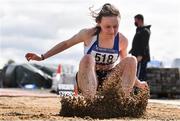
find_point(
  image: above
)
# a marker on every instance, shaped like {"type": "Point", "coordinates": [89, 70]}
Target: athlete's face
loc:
{"type": "Point", "coordinates": [109, 25]}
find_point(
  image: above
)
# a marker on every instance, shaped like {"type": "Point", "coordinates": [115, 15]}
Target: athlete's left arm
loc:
{"type": "Point", "coordinates": [123, 44]}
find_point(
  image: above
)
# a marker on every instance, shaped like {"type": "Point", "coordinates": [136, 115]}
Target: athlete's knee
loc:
{"type": "Point", "coordinates": [88, 60]}
{"type": "Point", "coordinates": [131, 60]}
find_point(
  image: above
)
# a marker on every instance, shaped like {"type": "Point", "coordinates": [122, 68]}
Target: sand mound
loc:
{"type": "Point", "coordinates": [109, 102]}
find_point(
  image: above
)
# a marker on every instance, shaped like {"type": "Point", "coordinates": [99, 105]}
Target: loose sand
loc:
{"type": "Point", "coordinates": [47, 108]}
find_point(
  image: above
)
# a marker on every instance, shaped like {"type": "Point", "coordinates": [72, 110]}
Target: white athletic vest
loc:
{"type": "Point", "coordinates": [103, 56]}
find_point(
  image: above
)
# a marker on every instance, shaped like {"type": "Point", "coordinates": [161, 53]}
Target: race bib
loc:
{"type": "Point", "coordinates": [104, 58]}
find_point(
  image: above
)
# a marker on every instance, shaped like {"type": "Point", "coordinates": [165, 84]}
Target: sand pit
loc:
{"type": "Point", "coordinates": [41, 105]}
{"type": "Point", "coordinates": [47, 108]}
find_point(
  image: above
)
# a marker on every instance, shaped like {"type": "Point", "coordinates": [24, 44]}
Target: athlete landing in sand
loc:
{"type": "Point", "coordinates": [105, 49]}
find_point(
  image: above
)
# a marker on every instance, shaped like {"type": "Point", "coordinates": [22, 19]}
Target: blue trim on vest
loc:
{"type": "Point", "coordinates": [90, 49]}
{"type": "Point", "coordinates": [115, 46]}
{"type": "Point", "coordinates": [116, 42]}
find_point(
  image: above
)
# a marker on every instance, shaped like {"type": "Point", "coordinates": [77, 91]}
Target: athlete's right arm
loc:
{"type": "Point", "coordinates": [77, 38]}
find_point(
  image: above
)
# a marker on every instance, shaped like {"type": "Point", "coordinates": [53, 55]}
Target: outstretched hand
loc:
{"type": "Point", "coordinates": [33, 56]}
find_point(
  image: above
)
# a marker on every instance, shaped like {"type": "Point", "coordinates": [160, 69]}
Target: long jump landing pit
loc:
{"type": "Point", "coordinates": [42, 105]}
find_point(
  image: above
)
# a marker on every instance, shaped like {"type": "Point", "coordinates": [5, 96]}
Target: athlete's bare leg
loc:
{"type": "Point", "coordinates": [87, 81]}
{"type": "Point", "coordinates": [127, 68]}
